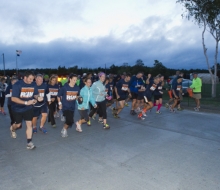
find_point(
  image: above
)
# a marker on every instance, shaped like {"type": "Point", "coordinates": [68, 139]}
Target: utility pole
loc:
{"type": "Point", "coordinates": [3, 63]}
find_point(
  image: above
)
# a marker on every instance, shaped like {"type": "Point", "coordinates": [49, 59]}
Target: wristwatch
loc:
{"type": "Point", "coordinates": [25, 102]}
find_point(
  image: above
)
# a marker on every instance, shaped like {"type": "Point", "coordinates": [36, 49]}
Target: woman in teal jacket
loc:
{"type": "Point", "coordinates": [86, 94]}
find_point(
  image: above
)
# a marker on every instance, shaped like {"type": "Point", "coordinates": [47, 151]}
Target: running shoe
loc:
{"type": "Point", "coordinates": [89, 123]}
{"type": "Point", "coordinates": [126, 104]}
{"type": "Point", "coordinates": [114, 110]}
{"type": "Point", "coordinates": [196, 109]}
{"type": "Point", "coordinates": [43, 130]}
{"type": "Point", "coordinates": [62, 118]}
{"type": "Point", "coordinates": [78, 127]}
{"type": "Point", "coordinates": [34, 130]}
{"type": "Point", "coordinates": [54, 126]}
{"type": "Point", "coordinates": [138, 110]}
{"type": "Point", "coordinates": [140, 117]}
{"type": "Point", "coordinates": [116, 116]}
{"type": "Point", "coordinates": [172, 111]}
{"type": "Point", "coordinates": [94, 117]}
{"type": "Point", "coordinates": [158, 112]}
{"type": "Point", "coordinates": [167, 105]}
{"type": "Point", "coordinates": [144, 114]}
{"type": "Point", "coordinates": [106, 126]}
{"type": "Point", "coordinates": [64, 133]}
{"type": "Point", "coordinates": [30, 146]}
{"type": "Point", "coordinates": [13, 133]}
{"type": "Point", "coordinates": [179, 109]}
{"type": "Point", "coordinates": [100, 121]}
{"type": "Point", "coordinates": [132, 112]}
{"type": "Point", "coordinates": [170, 107]}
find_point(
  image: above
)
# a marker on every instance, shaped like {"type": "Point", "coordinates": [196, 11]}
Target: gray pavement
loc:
{"type": "Point", "coordinates": [164, 152]}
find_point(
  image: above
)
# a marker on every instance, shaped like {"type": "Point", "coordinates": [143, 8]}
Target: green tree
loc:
{"type": "Point", "coordinates": [206, 13]}
{"type": "Point", "coordinates": [140, 63]}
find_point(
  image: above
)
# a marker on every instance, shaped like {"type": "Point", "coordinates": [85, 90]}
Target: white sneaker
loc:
{"type": "Point", "coordinates": [30, 146]}
{"type": "Point", "coordinates": [138, 110]}
{"type": "Point", "coordinates": [64, 133]}
{"type": "Point", "coordinates": [78, 127]}
{"type": "Point", "coordinates": [62, 118]}
{"type": "Point", "coordinates": [13, 133]}
{"type": "Point", "coordinates": [144, 114]}
{"type": "Point", "coordinates": [196, 109]}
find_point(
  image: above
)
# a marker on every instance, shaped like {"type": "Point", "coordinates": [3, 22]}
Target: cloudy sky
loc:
{"type": "Point", "coordinates": [92, 33]}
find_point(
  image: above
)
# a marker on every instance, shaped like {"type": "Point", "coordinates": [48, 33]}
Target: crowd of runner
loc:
{"type": "Point", "coordinates": [45, 98]}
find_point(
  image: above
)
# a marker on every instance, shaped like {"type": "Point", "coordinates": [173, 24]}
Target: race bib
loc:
{"type": "Point", "coordinates": [71, 95]}
{"type": "Point", "coordinates": [111, 87]}
{"type": "Point", "coordinates": [124, 87]}
{"type": "Point", "coordinates": [27, 92]}
{"type": "Point", "coordinates": [41, 92]}
{"type": "Point", "coordinates": [53, 91]}
{"type": "Point", "coordinates": [159, 87]}
{"type": "Point", "coordinates": [153, 87]}
{"type": "Point", "coordinates": [179, 87]}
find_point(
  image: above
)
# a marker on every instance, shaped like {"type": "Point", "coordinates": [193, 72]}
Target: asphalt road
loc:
{"type": "Point", "coordinates": [164, 152]}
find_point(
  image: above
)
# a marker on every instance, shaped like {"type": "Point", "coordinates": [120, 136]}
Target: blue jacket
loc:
{"type": "Point", "coordinates": [135, 83]}
{"type": "Point", "coordinates": [87, 96]}
{"type": "Point", "coordinates": [98, 91]}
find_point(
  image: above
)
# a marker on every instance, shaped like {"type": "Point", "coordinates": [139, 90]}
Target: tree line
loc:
{"type": "Point", "coordinates": [157, 68]}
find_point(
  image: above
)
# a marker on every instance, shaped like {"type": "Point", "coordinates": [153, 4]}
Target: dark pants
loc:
{"type": "Point", "coordinates": [52, 109]}
{"type": "Point", "coordinates": [101, 110]}
{"type": "Point", "coordinates": [11, 115]}
{"type": "Point", "coordinates": [2, 100]}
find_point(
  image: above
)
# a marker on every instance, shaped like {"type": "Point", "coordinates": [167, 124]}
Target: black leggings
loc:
{"type": "Point", "coordinates": [101, 110]}
{"type": "Point", "coordinates": [2, 100]}
{"type": "Point", "coordinates": [52, 109]}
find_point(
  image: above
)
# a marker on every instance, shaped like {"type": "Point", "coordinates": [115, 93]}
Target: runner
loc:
{"type": "Point", "coordinates": [87, 97]}
{"type": "Point", "coordinates": [24, 95]}
{"type": "Point", "coordinates": [109, 92]}
{"type": "Point", "coordinates": [121, 90]}
{"type": "Point", "coordinates": [158, 94]}
{"type": "Point", "coordinates": [40, 108]}
{"type": "Point", "coordinates": [176, 90]}
{"type": "Point", "coordinates": [151, 87]}
{"type": "Point", "coordinates": [66, 99]}
{"type": "Point", "coordinates": [8, 94]}
{"type": "Point", "coordinates": [53, 89]}
{"type": "Point", "coordinates": [99, 94]}
{"type": "Point", "coordinates": [135, 83]}
{"type": "Point", "coordinates": [56, 113]}
{"type": "Point", "coordinates": [3, 87]}
{"type": "Point", "coordinates": [117, 78]}
{"type": "Point", "coordinates": [140, 98]}
{"type": "Point", "coordinates": [167, 105]}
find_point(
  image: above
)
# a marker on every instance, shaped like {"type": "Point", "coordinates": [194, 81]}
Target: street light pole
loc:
{"type": "Point", "coordinates": [16, 66]}
{"type": "Point", "coordinates": [3, 62]}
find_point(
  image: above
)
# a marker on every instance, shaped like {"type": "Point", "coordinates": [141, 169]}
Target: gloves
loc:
{"type": "Point", "coordinates": [80, 100]}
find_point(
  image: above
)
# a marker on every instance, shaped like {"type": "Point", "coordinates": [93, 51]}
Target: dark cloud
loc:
{"type": "Point", "coordinates": [100, 51]}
